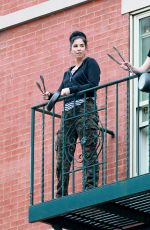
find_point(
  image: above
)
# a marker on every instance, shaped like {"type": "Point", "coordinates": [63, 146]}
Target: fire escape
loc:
{"type": "Point", "coordinates": [122, 199]}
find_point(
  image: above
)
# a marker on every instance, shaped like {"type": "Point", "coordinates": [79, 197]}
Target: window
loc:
{"type": "Point", "coordinates": [140, 45]}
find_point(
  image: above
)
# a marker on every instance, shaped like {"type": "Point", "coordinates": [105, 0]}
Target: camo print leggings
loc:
{"type": "Point", "coordinates": [76, 123]}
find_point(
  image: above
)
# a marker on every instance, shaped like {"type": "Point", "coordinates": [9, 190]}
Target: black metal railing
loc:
{"type": "Point", "coordinates": [114, 138]}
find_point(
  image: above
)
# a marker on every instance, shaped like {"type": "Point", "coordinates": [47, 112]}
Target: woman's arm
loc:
{"type": "Point", "coordinates": [142, 68]}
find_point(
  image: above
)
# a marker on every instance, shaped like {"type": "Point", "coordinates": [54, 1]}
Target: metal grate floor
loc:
{"type": "Point", "coordinates": [128, 213]}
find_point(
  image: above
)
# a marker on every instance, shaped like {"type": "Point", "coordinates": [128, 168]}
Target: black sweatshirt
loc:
{"type": "Point", "coordinates": [85, 77]}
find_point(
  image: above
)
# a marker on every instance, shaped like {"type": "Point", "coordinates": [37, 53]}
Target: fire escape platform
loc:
{"type": "Point", "coordinates": [112, 206]}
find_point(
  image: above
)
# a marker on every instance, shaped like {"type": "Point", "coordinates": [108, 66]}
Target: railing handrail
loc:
{"type": "Point", "coordinates": [93, 88]}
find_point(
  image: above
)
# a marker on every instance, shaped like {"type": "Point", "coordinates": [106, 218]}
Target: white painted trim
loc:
{"type": "Point", "coordinates": [132, 5]}
{"type": "Point", "coordinates": [131, 101]}
{"type": "Point", "coordinates": [36, 11]}
{"type": "Point", "coordinates": [134, 59]}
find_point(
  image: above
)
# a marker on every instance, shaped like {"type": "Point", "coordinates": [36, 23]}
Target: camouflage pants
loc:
{"type": "Point", "coordinates": [84, 127]}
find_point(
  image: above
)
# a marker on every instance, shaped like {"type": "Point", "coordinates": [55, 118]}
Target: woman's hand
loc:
{"type": "Point", "coordinates": [126, 66]}
{"type": "Point", "coordinates": [65, 92]}
{"type": "Point", "coordinates": [46, 95]}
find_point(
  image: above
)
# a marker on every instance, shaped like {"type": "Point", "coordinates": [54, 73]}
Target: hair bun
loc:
{"type": "Point", "coordinates": [77, 34]}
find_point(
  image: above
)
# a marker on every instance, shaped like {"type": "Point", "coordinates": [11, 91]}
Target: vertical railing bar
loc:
{"type": "Point", "coordinates": [73, 177]}
{"type": "Point", "coordinates": [117, 132]}
{"type": "Point", "coordinates": [53, 150]}
{"type": "Point", "coordinates": [95, 97]}
{"type": "Point", "coordinates": [149, 131]}
{"type": "Point", "coordinates": [106, 119]}
{"type": "Point", "coordinates": [73, 172]}
{"type": "Point", "coordinates": [94, 167]}
{"type": "Point", "coordinates": [127, 128]}
{"type": "Point", "coordinates": [83, 149]}
{"type": "Point", "coordinates": [32, 157]}
{"type": "Point", "coordinates": [43, 121]}
{"type": "Point", "coordinates": [138, 137]}
{"type": "Point", "coordinates": [74, 107]}
{"type": "Point", "coordinates": [104, 136]}
{"type": "Point", "coordinates": [63, 148]}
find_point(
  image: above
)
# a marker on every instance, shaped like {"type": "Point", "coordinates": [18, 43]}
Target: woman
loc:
{"type": "Point", "coordinates": [141, 69]}
{"type": "Point", "coordinates": [83, 75]}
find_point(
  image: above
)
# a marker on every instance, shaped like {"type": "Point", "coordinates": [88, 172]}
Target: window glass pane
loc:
{"type": "Point", "coordinates": [145, 26]}
{"type": "Point", "coordinates": [145, 113]}
{"type": "Point", "coordinates": [144, 38]}
{"type": "Point", "coordinates": [144, 46]}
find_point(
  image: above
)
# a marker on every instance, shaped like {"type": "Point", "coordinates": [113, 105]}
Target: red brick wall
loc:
{"type": "Point", "coordinates": [8, 6]}
{"type": "Point", "coordinates": [41, 47]}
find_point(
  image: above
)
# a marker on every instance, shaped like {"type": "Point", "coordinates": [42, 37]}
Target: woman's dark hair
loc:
{"type": "Point", "coordinates": [78, 34]}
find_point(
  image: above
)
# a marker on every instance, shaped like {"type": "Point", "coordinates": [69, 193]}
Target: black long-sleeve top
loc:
{"type": "Point", "coordinates": [85, 77]}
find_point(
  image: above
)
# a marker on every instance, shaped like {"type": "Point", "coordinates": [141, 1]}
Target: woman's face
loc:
{"type": "Point", "coordinates": [78, 49]}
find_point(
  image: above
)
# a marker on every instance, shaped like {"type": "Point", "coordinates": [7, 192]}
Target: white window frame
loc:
{"type": "Point", "coordinates": [134, 59]}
